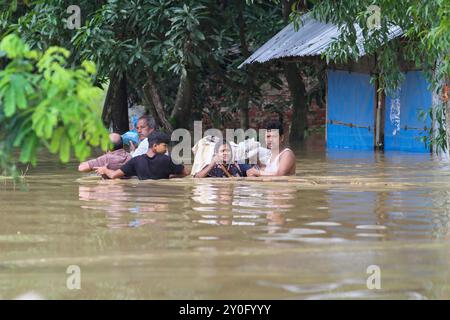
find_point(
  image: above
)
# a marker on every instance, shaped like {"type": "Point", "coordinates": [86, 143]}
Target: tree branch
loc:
{"type": "Point", "coordinates": [220, 74]}
{"type": "Point", "coordinates": [151, 92]}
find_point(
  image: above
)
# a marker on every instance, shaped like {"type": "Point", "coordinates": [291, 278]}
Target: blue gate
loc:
{"type": "Point", "coordinates": [350, 110]}
{"type": "Point", "coordinates": [403, 128]}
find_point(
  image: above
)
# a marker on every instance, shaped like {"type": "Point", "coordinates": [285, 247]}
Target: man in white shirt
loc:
{"type": "Point", "coordinates": [282, 160]}
{"type": "Point", "coordinates": [145, 126]}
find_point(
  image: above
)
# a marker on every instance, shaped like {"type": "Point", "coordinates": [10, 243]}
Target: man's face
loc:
{"type": "Point", "coordinates": [143, 129]}
{"type": "Point", "coordinates": [160, 148]}
{"type": "Point", "coordinates": [272, 139]}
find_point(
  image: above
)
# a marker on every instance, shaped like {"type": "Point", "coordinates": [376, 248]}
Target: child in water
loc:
{"type": "Point", "coordinates": [222, 164]}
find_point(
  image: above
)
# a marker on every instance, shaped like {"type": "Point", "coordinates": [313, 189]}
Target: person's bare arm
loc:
{"type": "Point", "coordinates": [253, 172]}
{"type": "Point", "coordinates": [112, 174]}
{"type": "Point", "coordinates": [90, 165]}
{"type": "Point", "coordinates": [204, 172]}
{"type": "Point", "coordinates": [260, 164]}
{"type": "Point", "coordinates": [286, 161]}
{"type": "Point", "coordinates": [181, 175]}
{"type": "Point", "coordinates": [132, 147]}
{"type": "Point", "coordinates": [84, 167]}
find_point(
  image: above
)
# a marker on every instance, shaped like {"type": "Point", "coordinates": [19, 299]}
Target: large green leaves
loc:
{"type": "Point", "coordinates": [43, 103]}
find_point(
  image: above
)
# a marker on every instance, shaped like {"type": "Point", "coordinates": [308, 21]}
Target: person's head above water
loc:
{"type": "Point", "coordinates": [224, 151]}
{"type": "Point", "coordinates": [116, 140]}
{"type": "Point", "coordinates": [158, 141]}
{"type": "Point", "coordinates": [145, 126]}
{"type": "Point", "coordinates": [274, 134]}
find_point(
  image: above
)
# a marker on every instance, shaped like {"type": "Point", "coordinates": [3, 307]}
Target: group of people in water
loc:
{"type": "Point", "coordinates": [150, 159]}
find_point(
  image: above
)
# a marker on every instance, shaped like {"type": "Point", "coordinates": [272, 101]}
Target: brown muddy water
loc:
{"type": "Point", "coordinates": [308, 237]}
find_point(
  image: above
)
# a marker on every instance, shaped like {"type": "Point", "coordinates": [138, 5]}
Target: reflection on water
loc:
{"type": "Point", "coordinates": [117, 203]}
{"type": "Point", "coordinates": [311, 236]}
{"type": "Point", "coordinates": [244, 205]}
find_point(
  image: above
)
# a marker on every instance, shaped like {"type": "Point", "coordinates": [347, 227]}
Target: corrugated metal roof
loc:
{"type": "Point", "coordinates": [312, 39]}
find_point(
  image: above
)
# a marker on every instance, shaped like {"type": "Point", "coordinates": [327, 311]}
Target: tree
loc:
{"type": "Point", "coordinates": [165, 49]}
{"type": "Point", "coordinates": [296, 87]}
{"type": "Point", "coordinates": [44, 103]}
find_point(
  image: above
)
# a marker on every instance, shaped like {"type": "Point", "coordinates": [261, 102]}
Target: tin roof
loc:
{"type": "Point", "coordinates": [312, 39]}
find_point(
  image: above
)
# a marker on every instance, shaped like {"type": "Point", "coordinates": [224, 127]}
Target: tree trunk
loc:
{"type": "Point", "coordinates": [296, 88]}
{"type": "Point", "coordinates": [151, 108]}
{"type": "Point", "coordinates": [299, 107]}
{"type": "Point", "coordinates": [243, 101]}
{"type": "Point", "coordinates": [115, 109]}
{"type": "Point", "coordinates": [152, 95]}
{"type": "Point", "coordinates": [446, 102]}
{"type": "Point", "coordinates": [106, 114]}
{"type": "Point", "coordinates": [244, 95]}
{"type": "Point", "coordinates": [181, 113]}
{"type": "Point", "coordinates": [287, 8]}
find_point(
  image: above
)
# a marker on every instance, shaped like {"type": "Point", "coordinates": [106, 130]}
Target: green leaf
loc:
{"type": "Point", "coordinates": [56, 139]}
{"type": "Point", "coordinates": [28, 149]}
{"type": "Point", "coordinates": [10, 102]}
{"type": "Point", "coordinates": [22, 134]}
{"type": "Point", "coordinates": [89, 66]}
{"type": "Point", "coordinates": [13, 46]}
{"type": "Point", "coordinates": [19, 84]}
{"type": "Point", "coordinates": [64, 149]}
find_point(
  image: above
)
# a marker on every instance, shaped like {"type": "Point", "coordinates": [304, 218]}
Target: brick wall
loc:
{"type": "Point", "coordinates": [261, 112]}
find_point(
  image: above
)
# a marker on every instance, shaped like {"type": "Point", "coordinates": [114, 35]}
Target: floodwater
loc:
{"type": "Point", "coordinates": [312, 236]}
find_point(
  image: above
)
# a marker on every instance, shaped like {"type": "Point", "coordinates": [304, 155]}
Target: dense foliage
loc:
{"type": "Point", "coordinates": [44, 103]}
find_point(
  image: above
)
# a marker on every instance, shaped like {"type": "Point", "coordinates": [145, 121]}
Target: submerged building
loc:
{"type": "Point", "coordinates": [358, 116]}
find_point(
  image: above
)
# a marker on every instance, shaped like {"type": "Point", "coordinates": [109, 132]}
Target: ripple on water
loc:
{"type": "Point", "coordinates": [293, 234]}
{"type": "Point", "coordinates": [323, 224]}
{"type": "Point", "coordinates": [370, 235]}
{"type": "Point", "coordinates": [208, 238]}
{"type": "Point", "coordinates": [305, 231]}
{"type": "Point", "coordinates": [371, 227]}
{"type": "Point", "coordinates": [205, 209]}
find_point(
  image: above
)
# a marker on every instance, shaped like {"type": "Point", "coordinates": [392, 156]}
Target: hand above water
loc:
{"type": "Point", "coordinates": [132, 147]}
{"type": "Point", "coordinates": [216, 159]}
{"type": "Point", "coordinates": [101, 170]}
{"type": "Point", "coordinates": [253, 172]}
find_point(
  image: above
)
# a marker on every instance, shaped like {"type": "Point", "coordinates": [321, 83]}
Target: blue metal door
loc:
{"type": "Point", "coordinates": [350, 110]}
{"type": "Point", "coordinates": [403, 128]}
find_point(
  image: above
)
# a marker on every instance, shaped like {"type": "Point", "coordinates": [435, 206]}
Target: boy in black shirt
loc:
{"type": "Point", "coordinates": [155, 164]}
